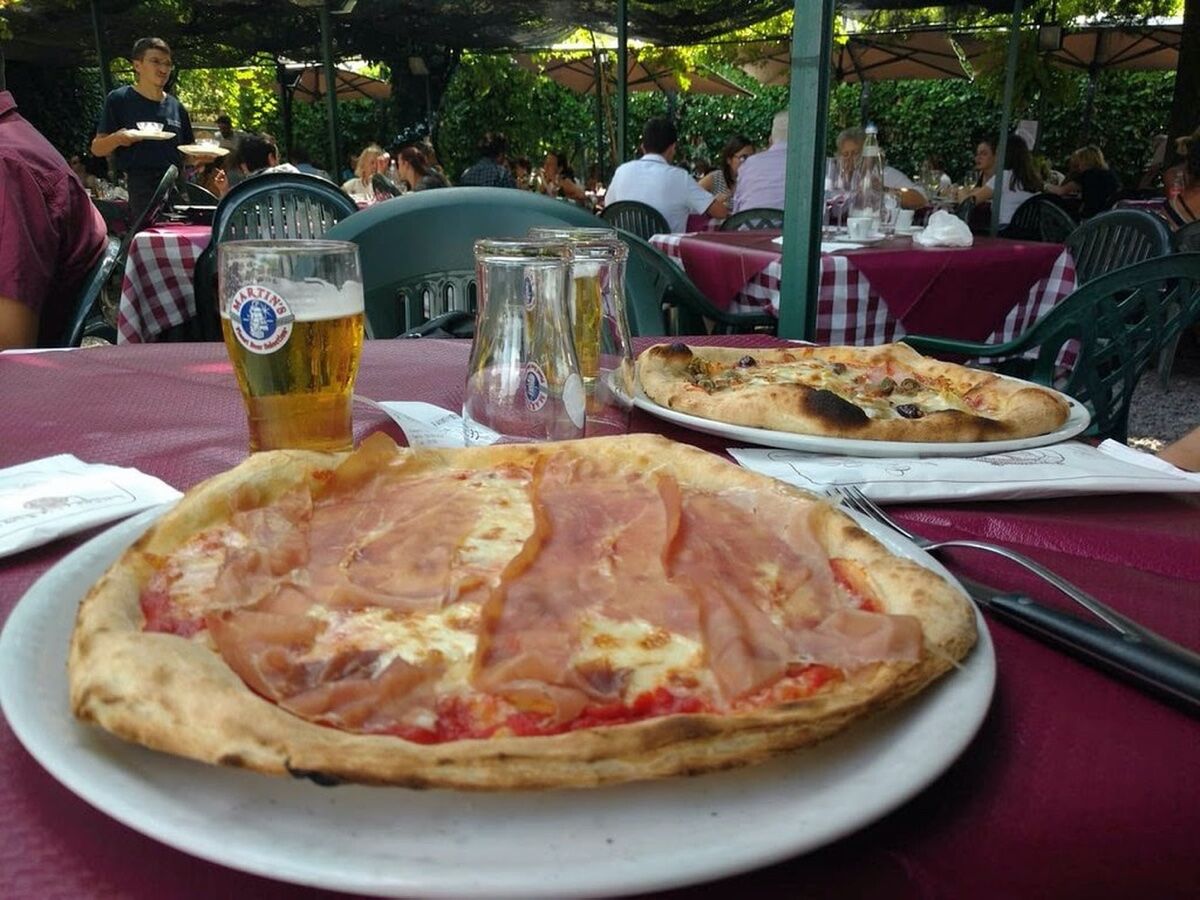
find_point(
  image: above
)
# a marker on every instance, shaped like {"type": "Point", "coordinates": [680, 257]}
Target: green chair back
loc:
{"type": "Point", "coordinates": [1118, 324]}
{"type": "Point", "coordinates": [1040, 218]}
{"type": "Point", "coordinates": [754, 219]}
{"type": "Point", "coordinates": [273, 206]}
{"type": "Point", "coordinates": [1115, 239]}
{"type": "Point", "coordinates": [86, 316]}
{"type": "Point", "coordinates": [417, 251]}
{"type": "Point", "coordinates": [636, 218]}
{"type": "Point", "coordinates": [662, 285]}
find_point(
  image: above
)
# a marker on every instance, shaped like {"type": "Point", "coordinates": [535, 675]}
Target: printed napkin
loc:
{"type": "Point", "coordinates": [1059, 470]}
{"type": "Point", "coordinates": [944, 230]}
{"type": "Point", "coordinates": [50, 498]}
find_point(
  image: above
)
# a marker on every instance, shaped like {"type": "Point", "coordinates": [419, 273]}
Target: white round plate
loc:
{"type": "Point", "coordinates": [871, 239]}
{"type": "Point", "coordinates": [201, 150]}
{"type": "Point", "coordinates": [1077, 420]}
{"type": "Point", "coordinates": [152, 135]}
{"type": "Point", "coordinates": [390, 841]}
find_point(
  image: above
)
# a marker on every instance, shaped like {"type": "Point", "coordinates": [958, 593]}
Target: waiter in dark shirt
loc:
{"type": "Point", "coordinates": [144, 160]}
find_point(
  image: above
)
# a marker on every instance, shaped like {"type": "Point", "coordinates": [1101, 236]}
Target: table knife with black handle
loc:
{"type": "Point", "coordinates": [1172, 672]}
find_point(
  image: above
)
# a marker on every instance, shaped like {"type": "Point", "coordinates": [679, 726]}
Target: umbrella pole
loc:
{"type": "Point", "coordinates": [1010, 76]}
{"type": "Point", "coordinates": [335, 150]}
{"type": "Point", "coordinates": [601, 177]}
{"type": "Point", "coordinates": [102, 59]}
{"type": "Point", "coordinates": [285, 106]}
{"type": "Point", "coordinates": [622, 78]}
{"type": "Point", "coordinates": [804, 209]}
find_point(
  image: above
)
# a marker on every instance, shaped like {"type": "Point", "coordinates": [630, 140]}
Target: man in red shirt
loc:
{"type": "Point", "coordinates": [51, 234]}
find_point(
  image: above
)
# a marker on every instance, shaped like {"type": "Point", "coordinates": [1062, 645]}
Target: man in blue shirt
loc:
{"type": "Point", "coordinates": [144, 159]}
{"type": "Point", "coordinates": [489, 170]}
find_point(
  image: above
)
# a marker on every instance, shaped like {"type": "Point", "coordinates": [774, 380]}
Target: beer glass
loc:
{"type": "Point", "coordinates": [292, 318]}
{"type": "Point", "coordinates": [523, 381]}
{"type": "Point", "coordinates": [599, 323]}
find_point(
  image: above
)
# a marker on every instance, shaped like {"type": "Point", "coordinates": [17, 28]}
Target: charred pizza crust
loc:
{"type": "Point", "coordinates": [995, 408]}
{"type": "Point", "coordinates": [179, 696]}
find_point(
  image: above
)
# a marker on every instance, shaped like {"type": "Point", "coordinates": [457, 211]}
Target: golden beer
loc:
{"type": "Point", "coordinates": [586, 305]}
{"type": "Point", "coordinates": [294, 339]}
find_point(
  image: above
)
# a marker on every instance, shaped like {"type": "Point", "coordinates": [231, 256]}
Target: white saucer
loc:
{"type": "Point", "coordinates": [151, 135]}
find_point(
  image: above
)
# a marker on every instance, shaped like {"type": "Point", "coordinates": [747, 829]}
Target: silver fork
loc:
{"type": "Point", "coordinates": [855, 499]}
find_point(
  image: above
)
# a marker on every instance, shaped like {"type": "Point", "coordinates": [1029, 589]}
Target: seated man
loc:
{"type": "Point", "coordinates": [490, 170]}
{"type": "Point", "coordinates": [762, 177]}
{"type": "Point", "coordinates": [51, 235]}
{"type": "Point", "coordinates": [653, 180]}
{"type": "Point", "coordinates": [258, 155]}
{"type": "Point", "coordinates": [849, 147]}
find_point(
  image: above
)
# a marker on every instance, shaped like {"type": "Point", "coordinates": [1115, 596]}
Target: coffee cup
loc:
{"type": "Point", "coordinates": [860, 227]}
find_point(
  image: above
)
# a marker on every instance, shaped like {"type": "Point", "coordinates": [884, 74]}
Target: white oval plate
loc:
{"type": "Point", "coordinates": [390, 841]}
{"type": "Point", "coordinates": [1077, 420]}
{"type": "Point", "coordinates": [152, 135]}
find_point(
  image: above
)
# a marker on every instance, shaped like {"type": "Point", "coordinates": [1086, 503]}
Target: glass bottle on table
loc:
{"type": "Point", "coordinates": [866, 196]}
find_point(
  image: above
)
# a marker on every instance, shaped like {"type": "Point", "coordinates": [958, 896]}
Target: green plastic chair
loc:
{"type": "Point", "coordinates": [636, 218]}
{"type": "Point", "coordinates": [754, 219]}
{"type": "Point", "coordinates": [417, 251]}
{"type": "Point", "coordinates": [1115, 239]}
{"type": "Point", "coordinates": [664, 285]}
{"type": "Point", "coordinates": [86, 317]}
{"type": "Point", "coordinates": [273, 206]}
{"type": "Point", "coordinates": [1120, 321]}
{"type": "Point", "coordinates": [1040, 218]}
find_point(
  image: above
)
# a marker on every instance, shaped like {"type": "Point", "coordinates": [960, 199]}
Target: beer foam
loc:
{"type": "Point", "coordinates": [313, 300]}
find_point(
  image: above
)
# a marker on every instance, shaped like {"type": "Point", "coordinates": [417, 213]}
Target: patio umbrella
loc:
{"type": "Point", "coordinates": [580, 76]}
{"type": "Point", "coordinates": [1152, 47]}
{"type": "Point", "coordinates": [309, 86]}
{"type": "Point", "coordinates": [886, 56]}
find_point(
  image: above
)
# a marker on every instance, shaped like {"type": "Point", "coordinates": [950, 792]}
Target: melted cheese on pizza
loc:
{"type": "Point", "coordinates": [437, 605]}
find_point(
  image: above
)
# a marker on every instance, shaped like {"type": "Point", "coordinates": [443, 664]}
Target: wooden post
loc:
{"type": "Point", "coordinates": [335, 148]}
{"type": "Point", "coordinates": [102, 57]}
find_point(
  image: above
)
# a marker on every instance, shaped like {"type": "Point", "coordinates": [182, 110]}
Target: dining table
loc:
{"type": "Point", "coordinates": [158, 288]}
{"type": "Point", "coordinates": [1076, 784]}
{"type": "Point", "coordinates": [873, 294]}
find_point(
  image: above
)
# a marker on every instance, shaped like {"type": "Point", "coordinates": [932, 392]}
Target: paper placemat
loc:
{"type": "Point", "coordinates": [1058, 470]}
{"type": "Point", "coordinates": [49, 498]}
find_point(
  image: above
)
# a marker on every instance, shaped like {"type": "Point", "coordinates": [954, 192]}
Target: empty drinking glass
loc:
{"type": "Point", "coordinates": [523, 380]}
{"type": "Point", "coordinates": [599, 323]}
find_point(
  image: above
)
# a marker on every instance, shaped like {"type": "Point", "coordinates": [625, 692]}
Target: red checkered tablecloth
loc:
{"type": "Point", "coordinates": [157, 290]}
{"type": "Point", "coordinates": [851, 311]}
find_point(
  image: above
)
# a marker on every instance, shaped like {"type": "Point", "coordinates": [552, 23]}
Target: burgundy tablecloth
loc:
{"type": "Point", "coordinates": [720, 263]}
{"type": "Point", "coordinates": [1076, 786]}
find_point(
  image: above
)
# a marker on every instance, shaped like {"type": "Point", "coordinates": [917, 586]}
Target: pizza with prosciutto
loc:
{"type": "Point", "coordinates": [885, 393]}
{"type": "Point", "coordinates": [506, 617]}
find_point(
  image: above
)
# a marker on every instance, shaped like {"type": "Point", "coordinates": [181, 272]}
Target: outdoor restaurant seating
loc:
{"type": "Point", "coordinates": [1040, 218]}
{"type": "Point", "coordinates": [753, 219]}
{"type": "Point", "coordinates": [1115, 239]}
{"type": "Point", "coordinates": [86, 317]}
{"type": "Point", "coordinates": [1113, 327]}
{"type": "Point", "coordinates": [687, 305]}
{"type": "Point", "coordinates": [636, 218]}
{"type": "Point", "coordinates": [274, 206]}
{"type": "Point", "coordinates": [418, 252]}
{"type": "Point", "coordinates": [157, 200]}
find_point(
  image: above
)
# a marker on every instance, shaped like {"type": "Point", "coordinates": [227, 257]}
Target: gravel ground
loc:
{"type": "Point", "coordinates": [1158, 417]}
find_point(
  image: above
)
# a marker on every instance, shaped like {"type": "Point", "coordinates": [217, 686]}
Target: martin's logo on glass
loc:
{"type": "Point", "coordinates": [536, 387]}
{"type": "Point", "coordinates": [261, 320]}
{"type": "Point", "coordinates": [527, 291]}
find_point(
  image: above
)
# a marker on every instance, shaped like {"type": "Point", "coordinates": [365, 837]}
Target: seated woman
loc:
{"type": "Point", "coordinates": [722, 180]}
{"type": "Point", "coordinates": [1185, 207]}
{"type": "Point", "coordinates": [1021, 179]}
{"type": "Point", "coordinates": [416, 172]}
{"type": "Point", "coordinates": [211, 176]}
{"type": "Point", "coordinates": [1090, 179]}
{"type": "Point", "coordinates": [558, 179]}
{"type": "Point", "coordinates": [359, 187]}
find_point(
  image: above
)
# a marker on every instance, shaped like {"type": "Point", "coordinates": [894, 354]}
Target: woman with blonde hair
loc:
{"type": "Point", "coordinates": [359, 187]}
{"type": "Point", "coordinates": [1090, 179]}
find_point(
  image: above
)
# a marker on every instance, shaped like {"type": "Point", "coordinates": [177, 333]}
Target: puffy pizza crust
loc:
{"type": "Point", "coordinates": [1016, 409]}
{"type": "Point", "coordinates": [176, 695]}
